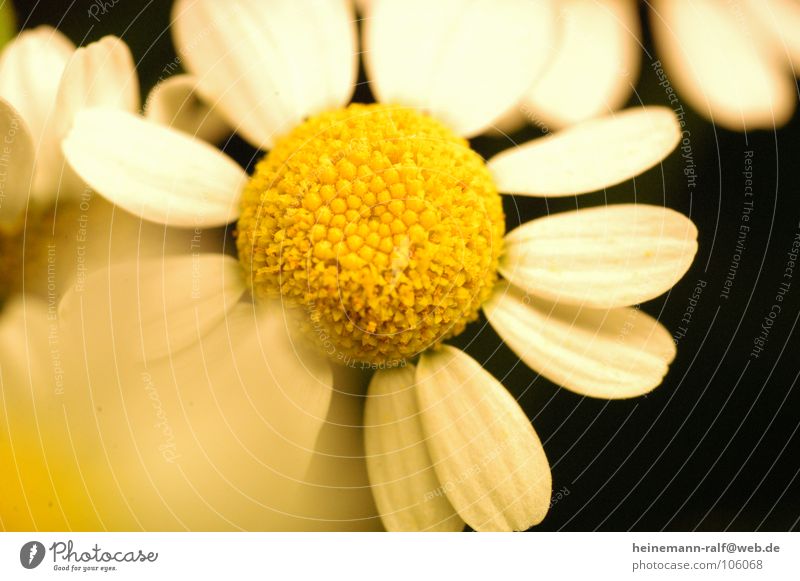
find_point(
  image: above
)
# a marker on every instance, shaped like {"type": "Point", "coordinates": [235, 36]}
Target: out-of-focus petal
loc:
{"type": "Point", "coordinates": [489, 460]}
{"type": "Point", "coordinates": [593, 155]}
{"type": "Point", "coordinates": [153, 171]}
{"type": "Point", "coordinates": [251, 357]}
{"type": "Point", "coordinates": [175, 103]}
{"type": "Point", "coordinates": [216, 437]}
{"type": "Point", "coordinates": [404, 484]}
{"type": "Point", "coordinates": [596, 63]}
{"type": "Point", "coordinates": [780, 20]}
{"type": "Point", "coordinates": [18, 165]}
{"type": "Point", "coordinates": [157, 306]}
{"type": "Point", "coordinates": [268, 64]}
{"type": "Point", "coordinates": [465, 63]}
{"type": "Point", "coordinates": [610, 256]}
{"type": "Point", "coordinates": [717, 62]}
{"type": "Point", "coordinates": [101, 74]}
{"type": "Point", "coordinates": [610, 354]}
{"type": "Point", "coordinates": [31, 67]}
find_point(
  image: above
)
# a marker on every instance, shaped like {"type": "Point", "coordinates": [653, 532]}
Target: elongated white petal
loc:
{"type": "Point", "coordinates": [174, 102]}
{"type": "Point", "coordinates": [158, 306]}
{"type": "Point", "coordinates": [590, 156]}
{"type": "Point", "coordinates": [31, 67]}
{"type": "Point", "coordinates": [717, 62]}
{"type": "Point", "coordinates": [30, 72]}
{"type": "Point", "coordinates": [152, 171]}
{"type": "Point", "coordinates": [488, 458]}
{"type": "Point", "coordinates": [267, 64]}
{"type": "Point", "coordinates": [610, 256]}
{"type": "Point", "coordinates": [780, 20]}
{"type": "Point", "coordinates": [610, 354]}
{"type": "Point", "coordinates": [101, 74]}
{"type": "Point", "coordinates": [596, 63]}
{"type": "Point", "coordinates": [465, 63]}
{"type": "Point", "coordinates": [404, 484]}
{"type": "Point", "coordinates": [18, 164]}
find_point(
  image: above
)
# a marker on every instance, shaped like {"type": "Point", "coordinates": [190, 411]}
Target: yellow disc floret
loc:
{"type": "Point", "coordinates": [382, 226]}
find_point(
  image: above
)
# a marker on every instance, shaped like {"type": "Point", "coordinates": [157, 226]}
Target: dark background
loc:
{"type": "Point", "coordinates": [715, 447]}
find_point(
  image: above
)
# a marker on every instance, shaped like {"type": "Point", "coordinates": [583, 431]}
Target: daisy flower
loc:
{"type": "Point", "coordinates": [380, 234]}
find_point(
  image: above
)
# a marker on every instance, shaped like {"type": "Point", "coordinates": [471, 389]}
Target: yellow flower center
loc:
{"type": "Point", "coordinates": [377, 222]}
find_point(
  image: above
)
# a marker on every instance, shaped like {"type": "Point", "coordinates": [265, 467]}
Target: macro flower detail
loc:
{"type": "Point", "coordinates": [380, 233]}
{"type": "Point", "coordinates": [381, 223]}
{"type": "Point", "coordinates": [44, 82]}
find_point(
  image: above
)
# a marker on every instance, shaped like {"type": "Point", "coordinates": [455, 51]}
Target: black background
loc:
{"type": "Point", "coordinates": [715, 447]}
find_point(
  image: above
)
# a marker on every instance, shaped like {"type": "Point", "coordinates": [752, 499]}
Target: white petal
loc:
{"type": "Point", "coordinates": [214, 438]}
{"type": "Point", "coordinates": [590, 156]}
{"type": "Point", "coordinates": [268, 64]}
{"type": "Point", "coordinates": [158, 306]}
{"type": "Point", "coordinates": [101, 74]}
{"type": "Point", "coordinates": [717, 62]}
{"type": "Point", "coordinates": [612, 354]}
{"type": "Point", "coordinates": [152, 171]}
{"type": "Point", "coordinates": [780, 20]}
{"type": "Point", "coordinates": [30, 72]}
{"type": "Point", "coordinates": [465, 63]}
{"type": "Point", "coordinates": [488, 458]}
{"type": "Point", "coordinates": [263, 378]}
{"type": "Point", "coordinates": [596, 63]}
{"type": "Point", "coordinates": [17, 165]}
{"type": "Point", "coordinates": [610, 256]}
{"type": "Point", "coordinates": [174, 102]}
{"type": "Point", "coordinates": [401, 474]}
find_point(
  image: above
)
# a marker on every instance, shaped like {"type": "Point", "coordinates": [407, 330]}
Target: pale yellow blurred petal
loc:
{"type": "Point", "coordinates": [217, 437]}
{"type": "Point", "coordinates": [31, 67]}
{"type": "Point", "coordinates": [19, 150]}
{"type": "Point", "coordinates": [780, 20]}
{"type": "Point", "coordinates": [157, 306]}
{"type": "Point", "coordinates": [175, 103]}
{"type": "Point", "coordinates": [596, 63]}
{"type": "Point", "coordinates": [717, 61]}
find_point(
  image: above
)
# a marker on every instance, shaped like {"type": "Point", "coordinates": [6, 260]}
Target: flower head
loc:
{"type": "Point", "coordinates": [380, 231]}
